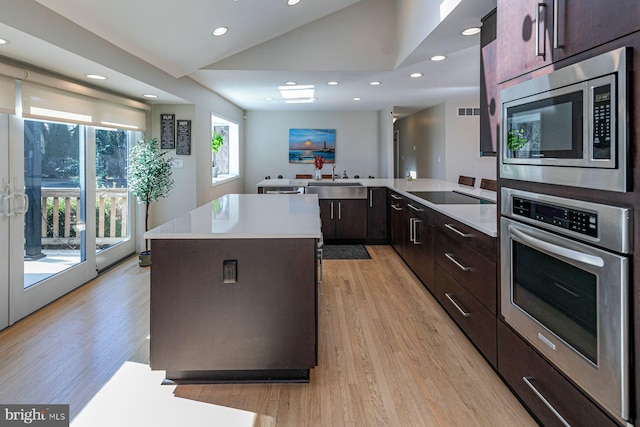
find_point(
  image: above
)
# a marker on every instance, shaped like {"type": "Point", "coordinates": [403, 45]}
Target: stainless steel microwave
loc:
{"type": "Point", "coordinates": [569, 127]}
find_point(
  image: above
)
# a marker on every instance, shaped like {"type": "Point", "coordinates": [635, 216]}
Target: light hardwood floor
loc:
{"type": "Point", "coordinates": [389, 355]}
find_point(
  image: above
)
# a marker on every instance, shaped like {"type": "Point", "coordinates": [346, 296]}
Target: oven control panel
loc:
{"type": "Point", "coordinates": [576, 220]}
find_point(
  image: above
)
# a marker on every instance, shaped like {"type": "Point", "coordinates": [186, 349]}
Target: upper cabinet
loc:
{"type": "Point", "coordinates": [581, 25]}
{"type": "Point", "coordinates": [532, 34]}
{"type": "Point", "coordinates": [489, 102]}
{"type": "Point", "coordinates": [524, 36]}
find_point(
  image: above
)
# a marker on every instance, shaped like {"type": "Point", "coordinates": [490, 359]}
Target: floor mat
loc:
{"type": "Point", "coordinates": [345, 252]}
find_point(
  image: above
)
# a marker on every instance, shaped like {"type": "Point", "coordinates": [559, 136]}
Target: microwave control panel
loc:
{"type": "Point", "coordinates": [602, 123]}
{"type": "Point", "coordinates": [575, 220]}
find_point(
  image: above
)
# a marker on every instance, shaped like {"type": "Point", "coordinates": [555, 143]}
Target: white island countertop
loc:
{"type": "Point", "coordinates": [247, 216]}
{"type": "Point", "coordinates": [482, 217]}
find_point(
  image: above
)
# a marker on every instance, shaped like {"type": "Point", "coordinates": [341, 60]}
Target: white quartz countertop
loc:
{"type": "Point", "coordinates": [482, 217]}
{"type": "Point", "coordinates": [247, 216]}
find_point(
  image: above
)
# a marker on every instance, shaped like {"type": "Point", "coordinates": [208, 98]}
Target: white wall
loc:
{"type": "Point", "coordinates": [267, 148]}
{"type": "Point", "coordinates": [463, 145]}
{"type": "Point", "coordinates": [446, 145]}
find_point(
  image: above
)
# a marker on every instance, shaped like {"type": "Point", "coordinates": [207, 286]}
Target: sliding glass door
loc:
{"type": "Point", "coordinates": [50, 175]}
{"type": "Point", "coordinates": [4, 220]}
{"type": "Point", "coordinates": [66, 213]}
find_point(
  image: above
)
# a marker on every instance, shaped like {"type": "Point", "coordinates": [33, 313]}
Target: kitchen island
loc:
{"type": "Point", "coordinates": [234, 290]}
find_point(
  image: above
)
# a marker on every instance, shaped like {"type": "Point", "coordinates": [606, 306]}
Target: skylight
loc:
{"type": "Point", "coordinates": [298, 93]}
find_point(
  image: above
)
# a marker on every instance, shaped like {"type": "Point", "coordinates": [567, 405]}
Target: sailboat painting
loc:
{"type": "Point", "coordinates": [304, 144]}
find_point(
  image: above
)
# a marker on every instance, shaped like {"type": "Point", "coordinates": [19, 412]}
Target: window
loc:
{"type": "Point", "coordinates": [225, 159]}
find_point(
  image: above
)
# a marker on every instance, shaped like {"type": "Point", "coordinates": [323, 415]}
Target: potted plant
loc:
{"type": "Point", "coordinates": [216, 142]}
{"type": "Point", "coordinates": [149, 177]}
{"type": "Point", "coordinates": [516, 140]}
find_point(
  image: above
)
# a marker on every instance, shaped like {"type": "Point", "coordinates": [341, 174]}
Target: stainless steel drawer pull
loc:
{"type": "Point", "coordinates": [527, 381]}
{"type": "Point", "coordinates": [455, 230]}
{"type": "Point", "coordinates": [414, 208]}
{"type": "Point", "coordinates": [396, 207]}
{"type": "Point", "coordinates": [449, 295]}
{"type": "Point", "coordinates": [393, 196]}
{"type": "Point", "coordinates": [456, 262]}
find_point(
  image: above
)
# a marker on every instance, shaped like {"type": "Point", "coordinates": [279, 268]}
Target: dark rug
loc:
{"type": "Point", "coordinates": [345, 252]}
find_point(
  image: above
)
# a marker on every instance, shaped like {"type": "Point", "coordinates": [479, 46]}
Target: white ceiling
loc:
{"type": "Point", "coordinates": [353, 42]}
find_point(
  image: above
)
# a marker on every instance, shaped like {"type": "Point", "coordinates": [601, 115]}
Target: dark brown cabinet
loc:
{"type": "Point", "coordinates": [344, 219]}
{"type": "Point", "coordinates": [411, 235]}
{"type": "Point", "coordinates": [532, 34]}
{"type": "Point", "coordinates": [478, 323]}
{"type": "Point", "coordinates": [489, 95]}
{"type": "Point", "coordinates": [263, 325]}
{"type": "Point", "coordinates": [524, 33]}
{"type": "Point", "coordinates": [542, 388]}
{"type": "Point", "coordinates": [377, 215]}
{"type": "Point", "coordinates": [465, 281]}
{"type": "Point", "coordinates": [398, 232]}
{"type": "Point", "coordinates": [419, 247]}
{"type": "Point", "coordinates": [580, 26]}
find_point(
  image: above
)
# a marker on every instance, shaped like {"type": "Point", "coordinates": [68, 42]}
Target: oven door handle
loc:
{"type": "Point", "coordinates": [550, 248]}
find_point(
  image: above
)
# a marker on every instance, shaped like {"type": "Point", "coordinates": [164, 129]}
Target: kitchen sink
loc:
{"type": "Point", "coordinates": [337, 190]}
{"type": "Point", "coordinates": [333, 184]}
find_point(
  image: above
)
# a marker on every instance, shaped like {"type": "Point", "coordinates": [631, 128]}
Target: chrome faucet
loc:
{"type": "Point", "coordinates": [333, 174]}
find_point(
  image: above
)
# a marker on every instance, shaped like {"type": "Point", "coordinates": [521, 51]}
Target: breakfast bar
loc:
{"type": "Point", "coordinates": [234, 290]}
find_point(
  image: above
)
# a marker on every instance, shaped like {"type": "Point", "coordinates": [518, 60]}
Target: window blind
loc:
{"type": "Point", "coordinates": [53, 104]}
{"type": "Point", "coordinates": [7, 95]}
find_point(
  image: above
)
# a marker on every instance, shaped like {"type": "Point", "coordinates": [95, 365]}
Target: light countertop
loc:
{"type": "Point", "coordinates": [247, 216]}
{"type": "Point", "coordinates": [482, 217]}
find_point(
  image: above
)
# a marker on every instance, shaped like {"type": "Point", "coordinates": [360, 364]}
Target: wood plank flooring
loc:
{"type": "Point", "coordinates": [389, 355]}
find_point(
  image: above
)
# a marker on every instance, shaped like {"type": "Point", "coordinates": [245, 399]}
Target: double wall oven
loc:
{"type": "Point", "coordinates": [565, 262]}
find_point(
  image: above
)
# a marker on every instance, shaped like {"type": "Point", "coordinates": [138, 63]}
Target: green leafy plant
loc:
{"type": "Point", "coordinates": [149, 174]}
{"type": "Point", "coordinates": [516, 139]}
{"type": "Point", "coordinates": [216, 142]}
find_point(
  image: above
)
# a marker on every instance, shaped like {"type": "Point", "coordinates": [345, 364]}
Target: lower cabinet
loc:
{"type": "Point", "coordinates": [344, 219]}
{"type": "Point", "coordinates": [377, 215]}
{"type": "Point", "coordinates": [397, 231]}
{"type": "Point", "coordinates": [478, 323]}
{"type": "Point", "coordinates": [546, 392]}
{"type": "Point", "coordinates": [419, 247]}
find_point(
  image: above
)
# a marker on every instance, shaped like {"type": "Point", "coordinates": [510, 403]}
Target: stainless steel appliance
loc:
{"type": "Point", "coordinates": [569, 127]}
{"type": "Point", "coordinates": [565, 285]}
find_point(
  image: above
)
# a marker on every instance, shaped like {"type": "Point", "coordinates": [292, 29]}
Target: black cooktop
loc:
{"type": "Point", "coordinates": [450, 198]}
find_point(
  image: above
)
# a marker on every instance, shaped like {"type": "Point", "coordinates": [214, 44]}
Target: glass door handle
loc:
{"type": "Point", "coordinates": [25, 204]}
{"type": "Point", "coordinates": [5, 206]}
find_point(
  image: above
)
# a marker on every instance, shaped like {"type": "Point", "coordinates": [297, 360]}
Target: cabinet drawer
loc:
{"type": "Point", "coordinates": [519, 363]}
{"type": "Point", "coordinates": [475, 272]}
{"type": "Point", "coordinates": [470, 315]}
{"type": "Point", "coordinates": [469, 236]}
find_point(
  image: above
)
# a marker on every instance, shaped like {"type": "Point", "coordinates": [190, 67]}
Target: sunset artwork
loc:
{"type": "Point", "coordinates": [305, 144]}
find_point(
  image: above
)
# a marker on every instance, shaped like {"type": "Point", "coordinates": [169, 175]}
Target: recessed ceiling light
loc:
{"type": "Point", "coordinates": [268, 98]}
{"type": "Point", "coordinates": [4, 41]}
{"type": "Point", "coordinates": [375, 83]}
{"type": "Point", "coordinates": [438, 58]}
{"type": "Point", "coordinates": [96, 77]}
{"type": "Point", "coordinates": [357, 99]}
{"type": "Point", "coordinates": [332, 83]}
{"type": "Point", "coordinates": [290, 83]}
{"type": "Point", "coordinates": [471, 31]}
{"type": "Point", "coordinates": [293, 2]}
{"type": "Point", "coordinates": [150, 96]}
{"type": "Point", "coordinates": [415, 75]}
{"type": "Point", "coordinates": [220, 31]}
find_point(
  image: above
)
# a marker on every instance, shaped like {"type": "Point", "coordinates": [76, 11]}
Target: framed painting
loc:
{"type": "Point", "coordinates": [304, 144]}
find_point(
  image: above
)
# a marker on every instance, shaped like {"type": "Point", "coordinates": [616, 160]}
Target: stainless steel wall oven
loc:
{"type": "Point", "coordinates": [565, 288]}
